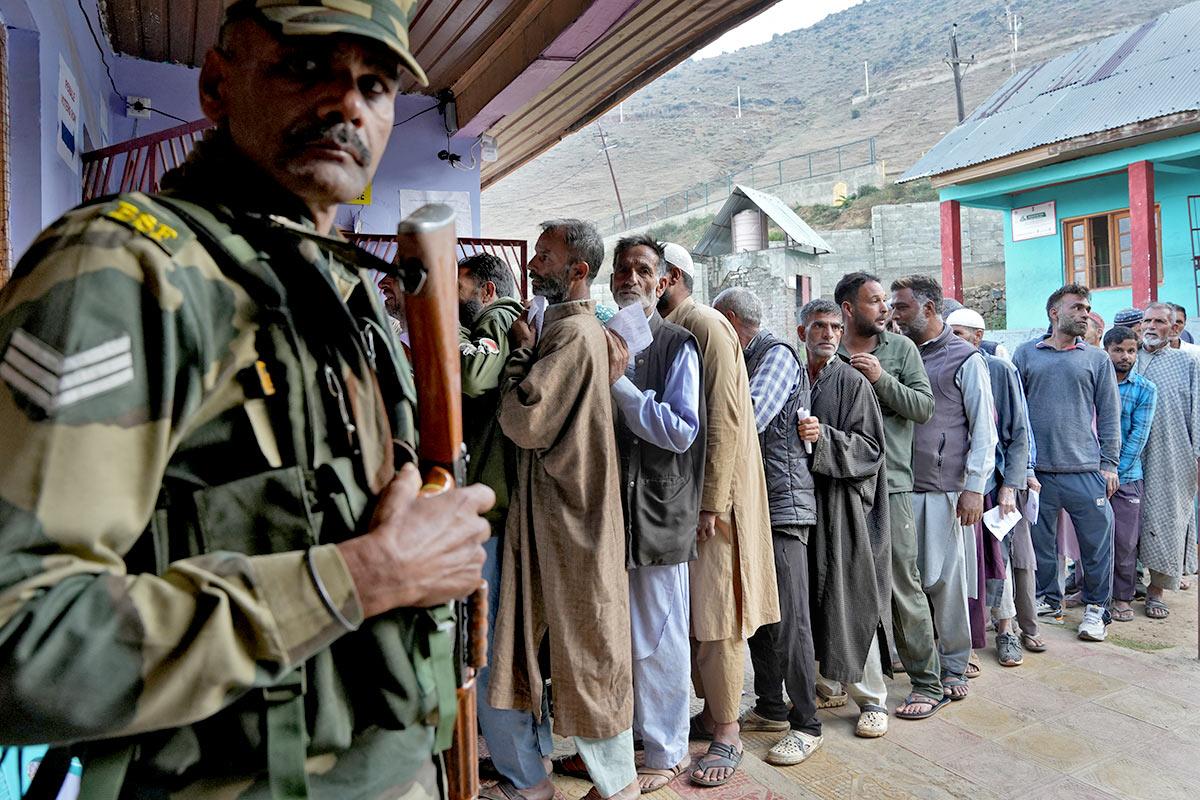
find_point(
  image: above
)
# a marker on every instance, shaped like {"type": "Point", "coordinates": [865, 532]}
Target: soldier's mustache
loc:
{"type": "Point", "coordinates": [341, 134]}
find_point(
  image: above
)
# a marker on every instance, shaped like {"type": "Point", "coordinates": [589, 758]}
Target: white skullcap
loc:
{"type": "Point", "coordinates": [678, 256]}
{"type": "Point", "coordinates": [966, 318]}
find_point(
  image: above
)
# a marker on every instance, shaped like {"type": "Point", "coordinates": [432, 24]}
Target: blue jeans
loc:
{"type": "Point", "coordinates": [516, 741]}
{"type": "Point", "coordinates": [1084, 497]}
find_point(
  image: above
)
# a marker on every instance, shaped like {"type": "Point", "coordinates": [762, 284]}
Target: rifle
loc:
{"type": "Point", "coordinates": [427, 240]}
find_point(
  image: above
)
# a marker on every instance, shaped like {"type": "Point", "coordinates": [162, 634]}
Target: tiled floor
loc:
{"type": "Point", "coordinates": [1080, 721]}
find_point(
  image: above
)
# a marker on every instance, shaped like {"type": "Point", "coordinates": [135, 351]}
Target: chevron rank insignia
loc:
{"type": "Point", "coordinates": [53, 381]}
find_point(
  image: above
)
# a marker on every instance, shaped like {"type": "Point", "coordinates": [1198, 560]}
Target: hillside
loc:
{"type": "Point", "coordinates": [798, 94]}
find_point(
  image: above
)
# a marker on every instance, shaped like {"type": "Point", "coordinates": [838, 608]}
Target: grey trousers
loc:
{"type": "Point", "coordinates": [912, 622]}
{"type": "Point", "coordinates": [942, 561]}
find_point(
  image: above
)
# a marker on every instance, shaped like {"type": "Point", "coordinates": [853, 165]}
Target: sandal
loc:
{"type": "Point", "coordinates": [666, 776]}
{"type": "Point", "coordinates": [918, 699]}
{"type": "Point", "coordinates": [1156, 609]}
{"type": "Point", "coordinates": [502, 790]}
{"type": "Point", "coordinates": [950, 683]}
{"type": "Point", "coordinates": [872, 722]}
{"type": "Point", "coordinates": [793, 749]}
{"type": "Point", "coordinates": [833, 701]}
{"type": "Point", "coordinates": [572, 766]}
{"type": "Point", "coordinates": [1121, 614]}
{"type": "Point", "coordinates": [1033, 644]}
{"type": "Point", "coordinates": [1008, 650]}
{"type": "Point", "coordinates": [973, 669]}
{"type": "Point", "coordinates": [696, 730]}
{"type": "Point", "coordinates": [719, 756]}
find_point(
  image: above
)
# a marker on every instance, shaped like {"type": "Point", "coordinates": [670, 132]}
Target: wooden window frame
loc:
{"type": "Point", "coordinates": [1114, 247]}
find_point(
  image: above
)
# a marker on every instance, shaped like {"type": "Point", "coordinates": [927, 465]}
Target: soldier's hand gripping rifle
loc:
{"type": "Point", "coordinates": [428, 238]}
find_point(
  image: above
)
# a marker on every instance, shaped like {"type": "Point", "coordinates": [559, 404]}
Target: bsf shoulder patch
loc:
{"type": "Point", "coordinates": [53, 381]}
{"type": "Point", "coordinates": [152, 221]}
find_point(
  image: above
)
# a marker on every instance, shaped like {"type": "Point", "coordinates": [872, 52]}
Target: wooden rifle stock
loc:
{"type": "Point", "coordinates": [427, 240]}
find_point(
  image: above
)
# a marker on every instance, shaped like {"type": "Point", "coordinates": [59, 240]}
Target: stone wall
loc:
{"type": "Point", "coordinates": [770, 274]}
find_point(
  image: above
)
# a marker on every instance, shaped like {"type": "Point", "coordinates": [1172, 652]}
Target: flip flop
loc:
{"type": "Point", "coordinates": [720, 756]}
{"type": "Point", "coordinates": [914, 699]}
{"type": "Point", "coordinates": [973, 668]}
{"type": "Point", "coordinates": [952, 683]}
{"type": "Point", "coordinates": [1121, 614]}
{"type": "Point", "coordinates": [668, 774]}
{"type": "Point", "coordinates": [501, 791]}
{"type": "Point", "coordinates": [1156, 609]}
{"type": "Point", "coordinates": [1033, 644]}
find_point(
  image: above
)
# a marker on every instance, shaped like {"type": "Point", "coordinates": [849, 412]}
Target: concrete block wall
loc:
{"type": "Point", "coordinates": [770, 274]}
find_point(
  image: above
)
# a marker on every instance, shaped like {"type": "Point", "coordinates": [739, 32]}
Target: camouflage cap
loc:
{"type": "Point", "coordinates": [382, 20]}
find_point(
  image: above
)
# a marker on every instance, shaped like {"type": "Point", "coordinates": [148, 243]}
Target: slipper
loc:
{"type": "Point", "coordinates": [919, 699]}
{"type": "Point", "coordinates": [950, 683]}
{"type": "Point", "coordinates": [1033, 644]}
{"type": "Point", "coordinates": [1121, 614]}
{"type": "Point", "coordinates": [504, 790]}
{"type": "Point", "coordinates": [696, 731]}
{"type": "Point", "coordinates": [572, 766]}
{"type": "Point", "coordinates": [1156, 609]}
{"type": "Point", "coordinates": [793, 749]}
{"type": "Point", "coordinates": [667, 775]}
{"type": "Point", "coordinates": [973, 669]}
{"type": "Point", "coordinates": [719, 756]}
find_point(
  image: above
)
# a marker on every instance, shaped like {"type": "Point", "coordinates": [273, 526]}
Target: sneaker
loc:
{"type": "Point", "coordinates": [1092, 628]}
{"type": "Point", "coordinates": [752, 721]}
{"type": "Point", "coordinates": [793, 749]}
{"type": "Point", "coordinates": [1008, 649]}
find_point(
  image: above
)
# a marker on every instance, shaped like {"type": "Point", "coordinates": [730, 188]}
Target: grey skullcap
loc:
{"type": "Point", "coordinates": [1128, 316]}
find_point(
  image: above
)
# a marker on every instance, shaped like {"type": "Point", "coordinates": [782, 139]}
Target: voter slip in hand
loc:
{"type": "Point", "coordinates": [1000, 525]}
{"type": "Point", "coordinates": [631, 322]}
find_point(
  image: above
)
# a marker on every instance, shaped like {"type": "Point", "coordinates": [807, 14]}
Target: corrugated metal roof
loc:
{"type": "Point", "coordinates": [1140, 74]}
{"type": "Point", "coordinates": [718, 239]}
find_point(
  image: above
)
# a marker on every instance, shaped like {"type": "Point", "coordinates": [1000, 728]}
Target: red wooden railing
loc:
{"type": "Point", "coordinates": [138, 164]}
{"type": "Point", "coordinates": [510, 251]}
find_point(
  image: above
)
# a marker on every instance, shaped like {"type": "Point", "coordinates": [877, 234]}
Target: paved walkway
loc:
{"type": "Point", "coordinates": [1082, 721]}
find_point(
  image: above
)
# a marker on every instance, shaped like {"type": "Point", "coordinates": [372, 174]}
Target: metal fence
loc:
{"type": "Point", "coordinates": [829, 161]}
{"type": "Point", "coordinates": [138, 164]}
{"type": "Point", "coordinates": [510, 251]}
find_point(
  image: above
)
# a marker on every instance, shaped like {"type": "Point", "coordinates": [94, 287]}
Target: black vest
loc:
{"type": "Point", "coordinates": [660, 490]}
{"type": "Point", "coordinates": [940, 445]}
{"type": "Point", "coordinates": [789, 483]}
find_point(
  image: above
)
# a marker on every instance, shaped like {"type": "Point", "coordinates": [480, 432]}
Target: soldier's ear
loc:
{"type": "Point", "coordinates": [212, 86]}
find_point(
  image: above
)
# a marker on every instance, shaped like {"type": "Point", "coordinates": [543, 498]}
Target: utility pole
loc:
{"type": "Point", "coordinates": [1014, 31]}
{"type": "Point", "coordinates": [867, 77]}
{"type": "Point", "coordinates": [604, 146]}
{"type": "Point", "coordinates": [739, 95]}
{"type": "Point", "coordinates": [955, 62]}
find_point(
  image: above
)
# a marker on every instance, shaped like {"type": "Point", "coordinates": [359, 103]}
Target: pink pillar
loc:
{"type": "Point", "coordinates": [1143, 230]}
{"type": "Point", "coordinates": [952, 259]}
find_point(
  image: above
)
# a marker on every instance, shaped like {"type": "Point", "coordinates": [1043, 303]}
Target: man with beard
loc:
{"type": "Point", "coordinates": [782, 654]}
{"type": "Point", "coordinates": [1138, 400]}
{"type": "Point", "coordinates": [953, 453]}
{"type": "Point", "coordinates": [564, 576]}
{"type": "Point", "coordinates": [1004, 582]}
{"type": "Point", "coordinates": [733, 586]}
{"type": "Point", "coordinates": [1169, 460]}
{"type": "Point", "coordinates": [892, 365]}
{"type": "Point", "coordinates": [1180, 339]}
{"type": "Point", "coordinates": [1068, 384]}
{"type": "Point", "coordinates": [661, 437]}
{"type": "Point", "coordinates": [849, 550]}
{"type": "Point", "coordinates": [181, 371]}
{"type": "Point", "coordinates": [487, 308]}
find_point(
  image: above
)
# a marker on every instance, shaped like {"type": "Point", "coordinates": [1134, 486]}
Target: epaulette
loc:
{"type": "Point", "coordinates": [152, 220]}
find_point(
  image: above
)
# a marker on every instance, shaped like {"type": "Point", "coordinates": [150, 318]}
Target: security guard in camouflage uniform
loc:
{"type": "Point", "coordinates": [213, 580]}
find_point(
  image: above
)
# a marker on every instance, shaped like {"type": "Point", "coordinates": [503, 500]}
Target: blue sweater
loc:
{"type": "Point", "coordinates": [1065, 390]}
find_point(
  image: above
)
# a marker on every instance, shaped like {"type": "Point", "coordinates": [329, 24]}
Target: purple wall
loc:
{"type": "Point", "coordinates": [45, 186]}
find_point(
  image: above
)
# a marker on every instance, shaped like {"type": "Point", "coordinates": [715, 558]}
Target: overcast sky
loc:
{"type": "Point", "coordinates": [784, 16]}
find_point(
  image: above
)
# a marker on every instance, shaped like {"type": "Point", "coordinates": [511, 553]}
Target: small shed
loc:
{"type": "Point", "coordinates": [784, 274]}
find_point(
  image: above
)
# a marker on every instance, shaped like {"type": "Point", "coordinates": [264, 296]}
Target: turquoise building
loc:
{"type": "Point", "coordinates": [1094, 158]}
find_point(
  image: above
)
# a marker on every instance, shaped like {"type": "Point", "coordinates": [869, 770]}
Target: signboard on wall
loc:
{"type": "Point", "coordinates": [464, 218]}
{"type": "Point", "coordinates": [1034, 222]}
{"type": "Point", "coordinates": [68, 115]}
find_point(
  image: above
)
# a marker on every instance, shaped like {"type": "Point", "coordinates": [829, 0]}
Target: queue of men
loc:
{"type": "Point", "coordinates": [822, 506]}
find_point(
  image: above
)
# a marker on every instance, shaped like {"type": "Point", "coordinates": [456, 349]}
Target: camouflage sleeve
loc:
{"type": "Point", "coordinates": [108, 358]}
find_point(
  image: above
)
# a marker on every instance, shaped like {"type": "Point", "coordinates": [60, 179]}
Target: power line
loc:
{"type": "Point", "coordinates": [414, 116]}
{"type": "Point", "coordinates": [99, 49]}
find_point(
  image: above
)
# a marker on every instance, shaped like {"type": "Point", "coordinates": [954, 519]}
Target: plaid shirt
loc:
{"type": "Point", "coordinates": [1138, 399]}
{"type": "Point", "coordinates": [772, 384]}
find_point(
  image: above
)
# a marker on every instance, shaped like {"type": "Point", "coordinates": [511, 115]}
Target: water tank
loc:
{"type": "Point", "coordinates": [749, 231]}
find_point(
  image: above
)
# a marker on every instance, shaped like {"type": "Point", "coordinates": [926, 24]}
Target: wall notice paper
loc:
{"type": "Point", "coordinates": [1034, 222]}
{"type": "Point", "coordinates": [464, 217]}
{"type": "Point", "coordinates": [1000, 525]}
{"type": "Point", "coordinates": [68, 115]}
{"type": "Point", "coordinates": [634, 327]}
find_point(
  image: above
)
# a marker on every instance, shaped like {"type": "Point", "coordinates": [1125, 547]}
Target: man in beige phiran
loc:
{"type": "Point", "coordinates": [564, 575]}
{"type": "Point", "coordinates": [733, 578]}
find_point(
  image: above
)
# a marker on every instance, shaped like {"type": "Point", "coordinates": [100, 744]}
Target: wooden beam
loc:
{"type": "Point", "coordinates": [1143, 235]}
